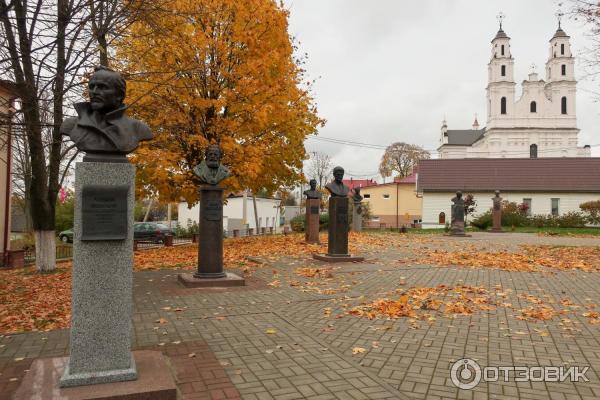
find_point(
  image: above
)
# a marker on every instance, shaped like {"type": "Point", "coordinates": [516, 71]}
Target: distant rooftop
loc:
{"type": "Point", "coordinates": [464, 137]}
{"type": "Point", "coordinates": [547, 174]}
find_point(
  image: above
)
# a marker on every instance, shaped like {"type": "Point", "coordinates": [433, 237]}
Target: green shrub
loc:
{"type": "Point", "coordinates": [483, 221]}
{"type": "Point", "coordinates": [592, 210]}
{"type": "Point", "coordinates": [323, 221]}
{"type": "Point", "coordinates": [297, 223]}
{"type": "Point", "coordinates": [572, 219]}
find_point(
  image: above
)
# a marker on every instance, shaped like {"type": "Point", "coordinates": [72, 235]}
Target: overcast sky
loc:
{"type": "Point", "coordinates": [390, 70]}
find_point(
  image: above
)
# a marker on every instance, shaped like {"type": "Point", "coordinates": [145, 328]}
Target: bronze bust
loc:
{"type": "Point", "coordinates": [497, 201]}
{"type": "Point", "coordinates": [458, 208]}
{"type": "Point", "coordinates": [313, 193]}
{"type": "Point", "coordinates": [337, 187]}
{"type": "Point", "coordinates": [210, 170]}
{"type": "Point", "coordinates": [101, 128]}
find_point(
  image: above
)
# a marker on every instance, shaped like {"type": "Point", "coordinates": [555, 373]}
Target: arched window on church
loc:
{"type": "Point", "coordinates": [563, 69]}
{"type": "Point", "coordinates": [503, 105]}
{"type": "Point", "coordinates": [442, 218]}
{"type": "Point", "coordinates": [563, 105]}
{"type": "Point", "coordinates": [533, 151]}
{"type": "Point", "coordinates": [503, 70]}
{"type": "Point", "coordinates": [502, 50]}
{"type": "Point", "coordinates": [533, 107]}
{"type": "Point", "coordinates": [562, 49]}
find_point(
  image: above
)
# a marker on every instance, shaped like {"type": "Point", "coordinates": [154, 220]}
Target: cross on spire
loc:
{"type": "Point", "coordinates": [500, 17]}
{"type": "Point", "coordinates": [559, 14]}
{"type": "Point", "coordinates": [533, 68]}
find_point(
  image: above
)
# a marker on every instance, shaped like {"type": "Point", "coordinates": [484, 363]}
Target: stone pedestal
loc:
{"type": "Point", "coordinates": [337, 242]}
{"type": "Point", "coordinates": [357, 217]}
{"type": "Point", "coordinates": [102, 275]}
{"type": "Point", "coordinates": [155, 382]}
{"type": "Point", "coordinates": [311, 230]}
{"type": "Point", "coordinates": [210, 249]}
{"type": "Point", "coordinates": [496, 221]}
{"type": "Point", "coordinates": [457, 228]}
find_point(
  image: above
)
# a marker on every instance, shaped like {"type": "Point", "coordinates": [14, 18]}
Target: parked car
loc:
{"type": "Point", "coordinates": [150, 231]}
{"type": "Point", "coordinates": [66, 236]}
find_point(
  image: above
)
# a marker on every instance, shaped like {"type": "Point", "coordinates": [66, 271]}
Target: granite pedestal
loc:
{"type": "Point", "coordinates": [357, 217]}
{"type": "Point", "coordinates": [155, 381]}
{"type": "Point", "coordinates": [337, 242]}
{"type": "Point", "coordinates": [496, 221]}
{"type": "Point", "coordinates": [100, 344]}
{"type": "Point", "coordinates": [311, 234]}
{"type": "Point", "coordinates": [457, 228]}
{"type": "Point", "coordinates": [210, 248]}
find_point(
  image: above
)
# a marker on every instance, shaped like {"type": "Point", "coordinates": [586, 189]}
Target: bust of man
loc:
{"type": "Point", "coordinates": [313, 193]}
{"type": "Point", "coordinates": [337, 187]}
{"type": "Point", "coordinates": [497, 201]}
{"type": "Point", "coordinates": [210, 170]}
{"type": "Point", "coordinates": [101, 128]}
{"type": "Point", "coordinates": [458, 208]}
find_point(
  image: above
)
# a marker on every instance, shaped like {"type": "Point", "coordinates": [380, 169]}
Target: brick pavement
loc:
{"type": "Point", "coordinates": [294, 340]}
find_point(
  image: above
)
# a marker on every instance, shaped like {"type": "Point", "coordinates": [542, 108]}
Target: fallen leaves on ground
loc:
{"type": "Point", "coordinates": [532, 258]}
{"type": "Point", "coordinates": [461, 299]}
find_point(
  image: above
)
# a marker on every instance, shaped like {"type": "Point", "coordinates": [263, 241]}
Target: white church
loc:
{"type": "Point", "coordinates": [542, 123]}
{"type": "Point", "coordinates": [528, 149]}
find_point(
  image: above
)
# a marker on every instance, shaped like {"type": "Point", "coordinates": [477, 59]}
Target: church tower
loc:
{"type": "Point", "coordinates": [501, 82]}
{"type": "Point", "coordinates": [560, 76]}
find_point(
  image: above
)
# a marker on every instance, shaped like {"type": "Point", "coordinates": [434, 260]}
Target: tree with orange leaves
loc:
{"type": "Point", "coordinates": [217, 71]}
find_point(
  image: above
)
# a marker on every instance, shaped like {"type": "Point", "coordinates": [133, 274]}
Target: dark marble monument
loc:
{"type": "Point", "coordinates": [313, 206]}
{"type": "Point", "coordinates": [497, 213]}
{"type": "Point", "coordinates": [102, 288]}
{"type": "Point", "coordinates": [337, 242]}
{"type": "Point", "coordinates": [210, 249]}
{"type": "Point", "coordinates": [457, 225]}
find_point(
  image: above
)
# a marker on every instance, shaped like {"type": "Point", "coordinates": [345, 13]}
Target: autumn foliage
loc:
{"type": "Point", "coordinates": [217, 71]}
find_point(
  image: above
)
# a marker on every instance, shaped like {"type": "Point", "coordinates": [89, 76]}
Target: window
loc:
{"type": "Point", "coordinates": [554, 206]}
{"type": "Point", "coordinates": [386, 196]}
{"type": "Point", "coordinates": [527, 202]}
{"type": "Point", "coordinates": [502, 50]}
{"type": "Point", "coordinates": [503, 105]}
{"type": "Point", "coordinates": [563, 105]}
{"type": "Point", "coordinates": [562, 49]}
{"type": "Point", "coordinates": [563, 70]}
{"type": "Point", "coordinates": [533, 107]}
{"type": "Point", "coordinates": [503, 70]}
{"type": "Point", "coordinates": [442, 218]}
{"type": "Point", "coordinates": [367, 196]}
{"type": "Point", "coordinates": [533, 151]}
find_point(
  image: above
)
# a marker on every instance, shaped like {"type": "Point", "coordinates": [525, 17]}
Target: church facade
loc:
{"type": "Point", "coordinates": [541, 123]}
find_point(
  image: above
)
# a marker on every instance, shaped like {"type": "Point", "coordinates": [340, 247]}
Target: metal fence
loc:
{"type": "Point", "coordinates": [65, 251]}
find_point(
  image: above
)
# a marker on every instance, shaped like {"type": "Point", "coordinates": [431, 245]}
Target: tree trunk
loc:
{"type": "Point", "coordinates": [45, 250]}
{"type": "Point", "coordinates": [255, 213]}
{"type": "Point", "coordinates": [148, 210]}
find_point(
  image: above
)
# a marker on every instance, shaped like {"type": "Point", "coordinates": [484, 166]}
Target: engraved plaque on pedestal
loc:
{"type": "Point", "coordinates": [104, 212]}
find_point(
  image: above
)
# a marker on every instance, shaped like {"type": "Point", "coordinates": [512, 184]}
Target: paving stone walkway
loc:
{"type": "Point", "coordinates": [285, 336]}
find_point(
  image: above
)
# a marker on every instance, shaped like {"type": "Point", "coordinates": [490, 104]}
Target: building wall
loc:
{"type": "Point", "coordinates": [4, 172]}
{"type": "Point", "coordinates": [385, 208]}
{"type": "Point", "coordinates": [268, 212]}
{"type": "Point", "coordinates": [436, 202]}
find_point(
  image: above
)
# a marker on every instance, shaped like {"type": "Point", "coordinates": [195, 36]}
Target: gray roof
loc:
{"type": "Point", "coordinates": [560, 33]}
{"type": "Point", "coordinates": [464, 137]}
{"type": "Point", "coordinates": [500, 34]}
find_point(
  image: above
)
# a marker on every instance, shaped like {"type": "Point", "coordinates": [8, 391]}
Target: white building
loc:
{"type": "Point", "coordinates": [238, 213]}
{"type": "Point", "coordinates": [541, 123]}
{"type": "Point", "coordinates": [548, 185]}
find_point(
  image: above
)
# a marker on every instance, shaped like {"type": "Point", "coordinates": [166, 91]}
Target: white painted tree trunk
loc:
{"type": "Point", "coordinates": [45, 250]}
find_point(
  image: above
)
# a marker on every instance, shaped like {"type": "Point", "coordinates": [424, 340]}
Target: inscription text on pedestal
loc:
{"type": "Point", "coordinates": [104, 212]}
{"type": "Point", "coordinates": [213, 210]}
